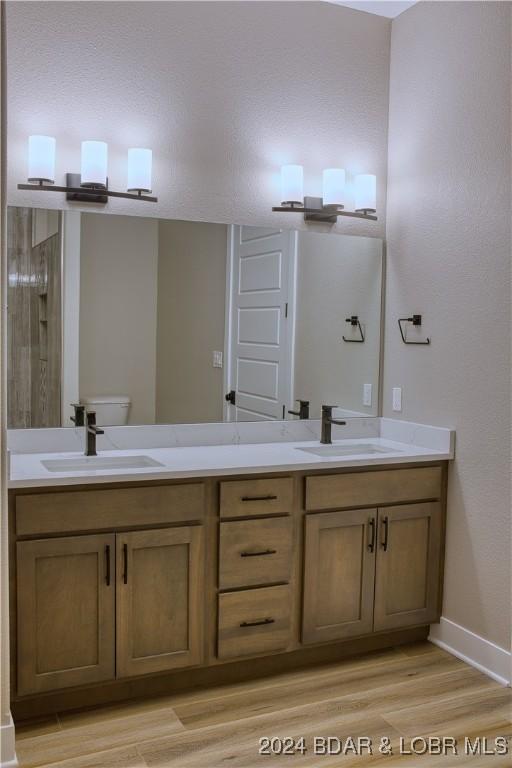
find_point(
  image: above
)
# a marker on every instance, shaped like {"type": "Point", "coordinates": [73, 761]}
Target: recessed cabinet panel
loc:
{"type": "Point", "coordinates": [259, 496]}
{"type": "Point", "coordinates": [72, 511]}
{"type": "Point", "coordinates": [65, 612]}
{"type": "Point", "coordinates": [339, 571]}
{"type": "Point", "coordinates": [160, 578]}
{"type": "Point", "coordinates": [159, 600]}
{"type": "Point", "coordinates": [388, 486]}
{"type": "Point", "coordinates": [254, 621]}
{"type": "Point", "coordinates": [255, 552]}
{"type": "Point", "coordinates": [408, 563]}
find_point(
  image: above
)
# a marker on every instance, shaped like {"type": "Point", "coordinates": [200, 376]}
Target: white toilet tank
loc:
{"type": "Point", "coordinates": [111, 410]}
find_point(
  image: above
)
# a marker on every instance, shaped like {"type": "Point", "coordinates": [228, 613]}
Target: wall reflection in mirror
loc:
{"type": "Point", "coordinates": [154, 321]}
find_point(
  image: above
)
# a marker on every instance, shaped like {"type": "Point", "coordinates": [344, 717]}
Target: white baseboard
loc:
{"type": "Point", "coordinates": [480, 653]}
{"type": "Point", "coordinates": [8, 754]}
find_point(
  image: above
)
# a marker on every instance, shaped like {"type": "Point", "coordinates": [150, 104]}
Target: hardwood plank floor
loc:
{"type": "Point", "coordinates": [412, 691]}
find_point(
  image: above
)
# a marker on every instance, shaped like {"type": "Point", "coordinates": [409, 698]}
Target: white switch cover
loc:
{"type": "Point", "coordinates": [367, 394]}
{"type": "Point", "coordinates": [217, 359]}
{"type": "Point", "coordinates": [397, 398]}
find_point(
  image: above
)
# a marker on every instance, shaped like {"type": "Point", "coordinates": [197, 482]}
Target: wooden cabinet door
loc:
{"type": "Point", "coordinates": [66, 612]}
{"type": "Point", "coordinates": [408, 565]}
{"type": "Point", "coordinates": [159, 600]}
{"type": "Point", "coordinates": [339, 573]}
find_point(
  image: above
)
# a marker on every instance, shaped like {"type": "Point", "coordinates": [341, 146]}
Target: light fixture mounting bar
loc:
{"type": "Point", "coordinates": [87, 194]}
{"type": "Point", "coordinates": [318, 212]}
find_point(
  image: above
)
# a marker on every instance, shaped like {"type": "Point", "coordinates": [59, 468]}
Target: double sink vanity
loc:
{"type": "Point", "coordinates": [220, 532]}
{"type": "Point", "coordinates": [180, 552]}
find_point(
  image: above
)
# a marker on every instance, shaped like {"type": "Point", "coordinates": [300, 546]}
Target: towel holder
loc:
{"type": "Point", "coordinates": [354, 320]}
{"type": "Point", "coordinates": [415, 320]}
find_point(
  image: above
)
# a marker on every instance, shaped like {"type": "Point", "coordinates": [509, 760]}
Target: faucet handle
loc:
{"type": "Point", "coordinates": [78, 418]}
{"type": "Point", "coordinates": [303, 411]}
{"type": "Point", "coordinates": [91, 423]}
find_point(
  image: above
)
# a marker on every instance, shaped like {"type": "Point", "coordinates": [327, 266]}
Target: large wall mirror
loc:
{"type": "Point", "coordinates": [163, 319]}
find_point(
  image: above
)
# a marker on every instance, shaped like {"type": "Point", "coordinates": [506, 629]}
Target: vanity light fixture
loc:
{"type": "Point", "coordinates": [91, 184]}
{"type": "Point", "coordinates": [139, 170]}
{"type": "Point", "coordinates": [365, 188]}
{"type": "Point", "coordinates": [41, 159]}
{"type": "Point", "coordinates": [94, 164]}
{"type": "Point", "coordinates": [327, 208]}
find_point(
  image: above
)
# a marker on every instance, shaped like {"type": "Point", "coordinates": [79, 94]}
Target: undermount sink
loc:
{"type": "Point", "coordinates": [347, 450]}
{"type": "Point", "coordinates": [99, 462]}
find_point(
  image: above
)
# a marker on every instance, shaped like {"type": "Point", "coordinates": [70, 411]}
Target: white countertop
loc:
{"type": "Point", "coordinates": [26, 469]}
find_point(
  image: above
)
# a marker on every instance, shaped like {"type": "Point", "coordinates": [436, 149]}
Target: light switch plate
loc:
{"type": "Point", "coordinates": [367, 394]}
{"type": "Point", "coordinates": [217, 359]}
{"type": "Point", "coordinates": [397, 398]}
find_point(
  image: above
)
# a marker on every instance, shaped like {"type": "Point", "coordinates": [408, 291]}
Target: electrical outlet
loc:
{"type": "Point", "coordinates": [397, 398]}
{"type": "Point", "coordinates": [367, 394]}
{"type": "Point", "coordinates": [217, 359]}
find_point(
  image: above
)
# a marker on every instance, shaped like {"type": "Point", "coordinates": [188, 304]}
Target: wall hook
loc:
{"type": "Point", "coordinates": [354, 320]}
{"type": "Point", "coordinates": [415, 320]}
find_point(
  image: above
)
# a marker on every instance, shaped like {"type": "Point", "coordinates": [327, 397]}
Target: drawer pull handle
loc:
{"type": "Point", "coordinates": [257, 623]}
{"type": "Point", "coordinates": [258, 554]}
{"type": "Point", "coordinates": [270, 497]}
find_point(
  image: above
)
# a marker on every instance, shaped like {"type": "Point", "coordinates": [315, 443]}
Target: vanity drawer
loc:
{"type": "Point", "coordinates": [254, 621]}
{"type": "Point", "coordinates": [114, 508]}
{"type": "Point", "coordinates": [267, 496]}
{"type": "Point", "coordinates": [254, 552]}
{"type": "Point", "coordinates": [360, 489]}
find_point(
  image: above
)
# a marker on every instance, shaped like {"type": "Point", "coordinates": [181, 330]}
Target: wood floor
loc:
{"type": "Point", "coordinates": [415, 690]}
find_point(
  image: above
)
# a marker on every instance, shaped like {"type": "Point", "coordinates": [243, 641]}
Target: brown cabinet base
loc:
{"type": "Point", "coordinates": [205, 677]}
{"type": "Point", "coordinates": [184, 543]}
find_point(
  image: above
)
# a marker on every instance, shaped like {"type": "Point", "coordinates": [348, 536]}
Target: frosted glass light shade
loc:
{"type": "Point", "coordinates": [41, 158]}
{"type": "Point", "coordinates": [139, 169]}
{"type": "Point", "coordinates": [292, 184]}
{"type": "Point", "coordinates": [94, 164]}
{"type": "Point", "coordinates": [334, 186]}
{"type": "Point", "coordinates": [365, 192]}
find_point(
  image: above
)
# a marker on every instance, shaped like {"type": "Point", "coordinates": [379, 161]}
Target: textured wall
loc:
{"type": "Point", "coordinates": [224, 94]}
{"type": "Point", "coordinates": [337, 277]}
{"type": "Point", "coordinates": [449, 246]}
{"type": "Point", "coordinates": [190, 325]}
{"type": "Point", "coordinates": [118, 295]}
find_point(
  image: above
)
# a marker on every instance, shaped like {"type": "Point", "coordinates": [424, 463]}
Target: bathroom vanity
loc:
{"type": "Point", "coordinates": [213, 537]}
{"type": "Point", "coordinates": [171, 578]}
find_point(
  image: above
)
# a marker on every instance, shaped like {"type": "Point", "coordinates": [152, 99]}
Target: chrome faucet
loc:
{"type": "Point", "coordinates": [91, 430]}
{"type": "Point", "coordinates": [327, 421]}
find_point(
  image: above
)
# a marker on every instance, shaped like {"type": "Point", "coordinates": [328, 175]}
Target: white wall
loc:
{"type": "Point", "coordinates": [190, 324]}
{"type": "Point", "coordinates": [223, 92]}
{"type": "Point", "coordinates": [7, 753]}
{"type": "Point", "coordinates": [337, 277]}
{"type": "Point", "coordinates": [70, 314]}
{"type": "Point", "coordinates": [449, 250]}
{"type": "Point", "coordinates": [118, 295]}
